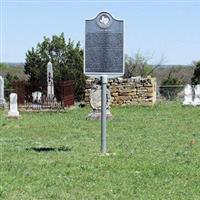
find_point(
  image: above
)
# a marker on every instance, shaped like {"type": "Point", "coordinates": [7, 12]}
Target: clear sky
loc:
{"type": "Point", "coordinates": [155, 28]}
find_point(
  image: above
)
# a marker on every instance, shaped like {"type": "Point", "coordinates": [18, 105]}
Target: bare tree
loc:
{"type": "Point", "coordinates": [139, 65]}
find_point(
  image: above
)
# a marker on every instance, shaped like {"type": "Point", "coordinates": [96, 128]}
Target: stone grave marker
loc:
{"type": "Point", "coordinates": [13, 112]}
{"type": "Point", "coordinates": [37, 100]}
{"type": "Point", "coordinates": [37, 97]}
{"type": "Point", "coordinates": [95, 102]}
{"type": "Point", "coordinates": [196, 101]}
{"type": "Point", "coordinates": [188, 95]}
{"type": "Point", "coordinates": [2, 100]}
{"type": "Point", "coordinates": [50, 84]}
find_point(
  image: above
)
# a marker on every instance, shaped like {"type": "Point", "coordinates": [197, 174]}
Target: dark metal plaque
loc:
{"type": "Point", "coordinates": [104, 44]}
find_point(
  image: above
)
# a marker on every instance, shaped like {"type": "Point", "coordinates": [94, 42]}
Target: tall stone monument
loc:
{"type": "Point", "coordinates": [188, 95]}
{"type": "Point", "coordinates": [2, 100]}
{"type": "Point", "coordinates": [13, 112]}
{"type": "Point", "coordinates": [196, 101]}
{"type": "Point", "coordinates": [50, 84]}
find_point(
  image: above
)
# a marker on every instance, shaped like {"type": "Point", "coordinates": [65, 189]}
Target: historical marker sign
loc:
{"type": "Point", "coordinates": [104, 44]}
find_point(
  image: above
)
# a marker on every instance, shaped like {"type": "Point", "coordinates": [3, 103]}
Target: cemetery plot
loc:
{"type": "Point", "coordinates": [37, 97]}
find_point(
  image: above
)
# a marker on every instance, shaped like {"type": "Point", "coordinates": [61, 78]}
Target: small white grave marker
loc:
{"type": "Point", "coordinates": [188, 95]}
{"type": "Point", "coordinates": [197, 96]}
{"type": "Point", "coordinates": [37, 97]}
{"type": "Point", "coordinates": [2, 100]}
{"type": "Point", "coordinates": [13, 112]}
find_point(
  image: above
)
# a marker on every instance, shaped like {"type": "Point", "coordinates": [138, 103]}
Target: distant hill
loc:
{"type": "Point", "coordinates": [14, 69]}
{"type": "Point", "coordinates": [162, 66]}
{"type": "Point", "coordinates": [174, 66]}
{"type": "Point", "coordinates": [15, 64]}
{"type": "Point", "coordinates": [183, 72]}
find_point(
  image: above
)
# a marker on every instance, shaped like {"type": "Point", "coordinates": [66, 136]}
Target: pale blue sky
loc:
{"type": "Point", "coordinates": [156, 29]}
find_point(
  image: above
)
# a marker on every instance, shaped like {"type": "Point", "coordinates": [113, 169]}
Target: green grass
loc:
{"type": "Point", "coordinates": [154, 154]}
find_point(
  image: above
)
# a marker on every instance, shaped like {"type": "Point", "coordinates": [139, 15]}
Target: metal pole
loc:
{"type": "Point", "coordinates": [103, 113]}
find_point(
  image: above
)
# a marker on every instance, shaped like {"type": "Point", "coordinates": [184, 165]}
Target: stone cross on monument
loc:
{"type": "Point", "coordinates": [50, 85]}
{"type": "Point", "coordinates": [2, 100]}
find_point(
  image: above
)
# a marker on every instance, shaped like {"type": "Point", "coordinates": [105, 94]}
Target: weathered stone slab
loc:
{"type": "Point", "coordinates": [95, 102]}
{"type": "Point", "coordinates": [2, 100]}
{"type": "Point", "coordinates": [13, 112]}
{"type": "Point", "coordinates": [188, 98]}
{"type": "Point", "coordinates": [196, 101]}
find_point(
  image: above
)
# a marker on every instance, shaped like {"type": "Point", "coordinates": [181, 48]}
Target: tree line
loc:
{"type": "Point", "coordinates": [67, 60]}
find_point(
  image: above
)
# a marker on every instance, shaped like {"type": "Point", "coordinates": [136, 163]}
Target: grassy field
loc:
{"type": "Point", "coordinates": [154, 154]}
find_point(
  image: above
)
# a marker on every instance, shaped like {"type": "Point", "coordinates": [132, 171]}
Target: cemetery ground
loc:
{"type": "Point", "coordinates": [154, 153]}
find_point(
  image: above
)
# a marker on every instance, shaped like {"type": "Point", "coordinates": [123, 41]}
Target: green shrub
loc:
{"type": "Point", "coordinates": [170, 87]}
{"type": "Point", "coordinates": [196, 75]}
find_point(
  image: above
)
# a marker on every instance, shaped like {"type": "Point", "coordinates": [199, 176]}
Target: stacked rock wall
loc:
{"type": "Point", "coordinates": [132, 91]}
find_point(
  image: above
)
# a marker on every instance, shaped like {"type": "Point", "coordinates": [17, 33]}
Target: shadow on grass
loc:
{"type": "Point", "coordinates": [48, 149]}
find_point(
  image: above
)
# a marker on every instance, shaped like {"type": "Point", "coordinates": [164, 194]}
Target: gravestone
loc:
{"type": "Point", "coordinates": [95, 102]}
{"type": "Point", "coordinates": [13, 112]}
{"type": "Point", "coordinates": [104, 44]}
{"type": "Point", "coordinates": [188, 94]}
{"type": "Point", "coordinates": [2, 100]}
{"type": "Point", "coordinates": [37, 97]}
{"type": "Point", "coordinates": [196, 101]}
{"type": "Point", "coordinates": [50, 84]}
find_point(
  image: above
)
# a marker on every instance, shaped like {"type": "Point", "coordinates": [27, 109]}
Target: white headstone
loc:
{"type": "Point", "coordinates": [37, 96]}
{"type": "Point", "coordinates": [50, 85]}
{"type": "Point", "coordinates": [197, 95]}
{"type": "Point", "coordinates": [2, 100]}
{"type": "Point", "coordinates": [188, 95]}
{"type": "Point", "coordinates": [13, 112]}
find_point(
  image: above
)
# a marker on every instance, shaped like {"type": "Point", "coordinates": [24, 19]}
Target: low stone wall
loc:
{"type": "Point", "coordinates": [132, 91]}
